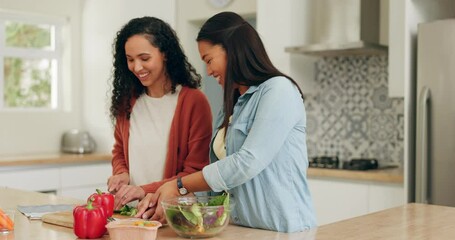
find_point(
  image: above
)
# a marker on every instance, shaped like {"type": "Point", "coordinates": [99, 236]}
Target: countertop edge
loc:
{"type": "Point", "coordinates": [392, 175]}
{"type": "Point", "coordinates": [52, 158]}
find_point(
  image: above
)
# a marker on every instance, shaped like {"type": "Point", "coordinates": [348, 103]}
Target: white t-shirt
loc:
{"type": "Point", "coordinates": [219, 144]}
{"type": "Point", "coordinates": [150, 125]}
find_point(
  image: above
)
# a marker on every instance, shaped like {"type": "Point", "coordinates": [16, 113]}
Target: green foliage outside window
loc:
{"type": "Point", "coordinates": [26, 86]}
{"type": "Point", "coordinates": [27, 82]}
{"type": "Point", "coordinates": [27, 35]}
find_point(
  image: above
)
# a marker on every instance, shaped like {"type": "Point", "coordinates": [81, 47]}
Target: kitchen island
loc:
{"type": "Point", "coordinates": [412, 221]}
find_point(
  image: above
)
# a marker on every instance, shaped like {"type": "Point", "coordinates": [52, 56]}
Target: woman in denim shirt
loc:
{"type": "Point", "coordinates": [258, 151]}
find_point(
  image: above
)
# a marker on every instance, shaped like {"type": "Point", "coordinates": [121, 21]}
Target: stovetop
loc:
{"type": "Point", "coordinates": [333, 162]}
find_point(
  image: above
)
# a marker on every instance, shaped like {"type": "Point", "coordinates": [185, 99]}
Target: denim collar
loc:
{"type": "Point", "coordinates": [251, 90]}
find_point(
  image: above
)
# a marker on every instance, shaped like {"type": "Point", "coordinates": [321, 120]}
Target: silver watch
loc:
{"type": "Point", "coordinates": [181, 188]}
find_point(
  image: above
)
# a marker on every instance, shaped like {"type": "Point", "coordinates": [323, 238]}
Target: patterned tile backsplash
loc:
{"type": "Point", "coordinates": [351, 115]}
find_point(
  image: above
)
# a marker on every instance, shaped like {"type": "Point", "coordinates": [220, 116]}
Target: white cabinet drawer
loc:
{"type": "Point", "coordinates": [337, 200]}
{"type": "Point", "coordinates": [385, 196]}
{"type": "Point", "coordinates": [31, 179]}
{"type": "Point", "coordinates": [85, 175]}
{"type": "Point", "coordinates": [81, 193]}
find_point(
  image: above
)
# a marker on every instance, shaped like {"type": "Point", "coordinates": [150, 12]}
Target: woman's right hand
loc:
{"type": "Point", "coordinates": [150, 206]}
{"type": "Point", "coordinates": [116, 181]}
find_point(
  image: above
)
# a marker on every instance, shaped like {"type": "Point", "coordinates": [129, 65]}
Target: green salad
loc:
{"type": "Point", "coordinates": [205, 218]}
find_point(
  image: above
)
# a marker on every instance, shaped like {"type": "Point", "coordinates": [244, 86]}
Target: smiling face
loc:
{"type": "Point", "coordinates": [146, 62]}
{"type": "Point", "coordinates": [215, 59]}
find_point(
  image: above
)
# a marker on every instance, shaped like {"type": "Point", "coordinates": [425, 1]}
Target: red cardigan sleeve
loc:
{"type": "Point", "coordinates": [200, 134]}
{"type": "Point", "coordinates": [119, 155]}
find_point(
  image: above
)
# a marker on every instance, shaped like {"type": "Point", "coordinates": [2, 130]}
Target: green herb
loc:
{"type": "Point", "coordinates": [127, 211]}
{"type": "Point", "coordinates": [189, 216]}
{"type": "Point", "coordinates": [222, 218]}
{"type": "Point", "coordinates": [218, 200]}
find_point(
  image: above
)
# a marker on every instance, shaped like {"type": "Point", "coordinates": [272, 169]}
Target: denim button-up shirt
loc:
{"type": "Point", "coordinates": [266, 164]}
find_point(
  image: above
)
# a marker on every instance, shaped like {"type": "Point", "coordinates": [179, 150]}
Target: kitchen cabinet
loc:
{"type": "Point", "coordinates": [336, 200]}
{"type": "Point", "coordinates": [76, 181]}
{"type": "Point", "coordinates": [383, 196]}
{"type": "Point", "coordinates": [81, 181]}
{"type": "Point", "coordinates": [33, 179]}
{"type": "Point", "coordinates": [71, 175]}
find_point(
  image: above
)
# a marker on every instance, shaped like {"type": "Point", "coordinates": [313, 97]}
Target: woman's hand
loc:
{"type": "Point", "coordinates": [126, 194]}
{"type": "Point", "coordinates": [150, 206]}
{"type": "Point", "coordinates": [146, 207]}
{"type": "Point", "coordinates": [116, 181]}
{"type": "Point", "coordinates": [166, 191]}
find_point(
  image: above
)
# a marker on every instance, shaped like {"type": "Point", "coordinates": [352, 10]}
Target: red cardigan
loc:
{"type": "Point", "coordinates": [189, 139]}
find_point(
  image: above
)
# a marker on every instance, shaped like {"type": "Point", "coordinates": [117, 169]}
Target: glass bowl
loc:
{"type": "Point", "coordinates": [198, 216]}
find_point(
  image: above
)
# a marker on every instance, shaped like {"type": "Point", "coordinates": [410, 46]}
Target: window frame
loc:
{"type": "Point", "coordinates": [58, 23]}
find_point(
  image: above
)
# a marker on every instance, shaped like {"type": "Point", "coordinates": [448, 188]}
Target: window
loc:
{"type": "Point", "coordinates": [30, 61]}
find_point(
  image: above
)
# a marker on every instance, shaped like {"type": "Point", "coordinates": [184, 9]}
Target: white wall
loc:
{"type": "Point", "coordinates": [101, 19]}
{"type": "Point", "coordinates": [29, 132]}
{"type": "Point", "coordinates": [283, 24]}
{"type": "Point", "coordinates": [192, 14]}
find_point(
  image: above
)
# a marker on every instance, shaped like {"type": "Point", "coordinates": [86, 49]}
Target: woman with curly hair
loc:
{"type": "Point", "coordinates": [162, 120]}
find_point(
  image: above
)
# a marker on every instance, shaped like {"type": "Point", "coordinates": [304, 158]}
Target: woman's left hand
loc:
{"type": "Point", "coordinates": [126, 194]}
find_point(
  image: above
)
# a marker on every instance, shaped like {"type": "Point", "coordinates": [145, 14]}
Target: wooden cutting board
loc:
{"type": "Point", "coordinates": [66, 219]}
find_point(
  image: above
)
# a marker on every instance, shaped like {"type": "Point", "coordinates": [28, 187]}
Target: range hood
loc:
{"type": "Point", "coordinates": [343, 27]}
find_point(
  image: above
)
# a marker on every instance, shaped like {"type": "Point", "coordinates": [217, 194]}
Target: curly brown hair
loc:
{"type": "Point", "coordinates": [125, 85]}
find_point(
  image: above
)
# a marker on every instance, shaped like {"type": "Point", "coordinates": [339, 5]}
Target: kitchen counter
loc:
{"type": "Point", "coordinates": [386, 175]}
{"type": "Point", "coordinates": [52, 159]}
{"type": "Point", "coordinates": [412, 221]}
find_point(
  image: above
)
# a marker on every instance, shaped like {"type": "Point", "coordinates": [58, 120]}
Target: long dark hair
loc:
{"type": "Point", "coordinates": [247, 61]}
{"type": "Point", "coordinates": [160, 35]}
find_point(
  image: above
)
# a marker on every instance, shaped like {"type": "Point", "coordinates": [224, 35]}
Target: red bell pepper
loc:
{"type": "Point", "coordinates": [89, 220]}
{"type": "Point", "coordinates": [104, 199]}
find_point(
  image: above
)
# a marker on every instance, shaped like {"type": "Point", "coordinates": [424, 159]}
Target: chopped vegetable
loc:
{"type": "Point", "coordinates": [127, 211]}
{"type": "Point", "coordinates": [142, 223]}
{"type": "Point", "coordinates": [5, 221]}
